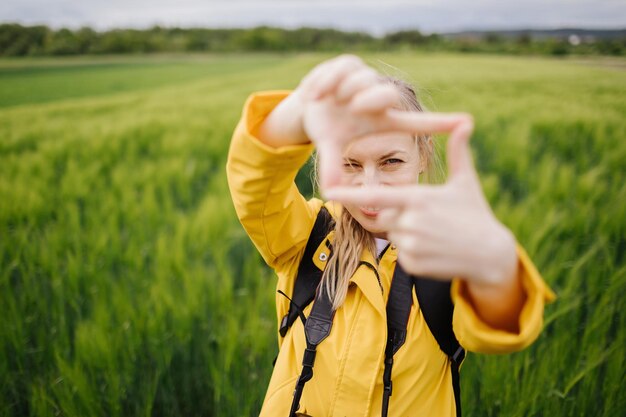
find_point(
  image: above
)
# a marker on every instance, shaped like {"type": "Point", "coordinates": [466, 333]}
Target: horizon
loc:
{"type": "Point", "coordinates": [426, 16]}
{"type": "Point", "coordinates": [400, 29]}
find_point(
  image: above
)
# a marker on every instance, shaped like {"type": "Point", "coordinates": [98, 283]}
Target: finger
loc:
{"type": "Point", "coordinates": [331, 75]}
{"type": "Point", "coordinates": [309, 82]}
{"type": "Point", "coordinates": [369, 196]}
{"type": "Point", "coordinates": [331, 162]}
{"type": "Point", "coordinates": [407, 243]}
{"type": "Point", "coordinates": [356, 82]}
{"type": "Point", "coordinates": [407, 224]}
{"type": "Point", "coordinates": [413, 221]}
{"type": "Point", "coordinates": [418, 258]}
{"type": "Point", "coordinates": [423, 266]}
{"type": "Point", "coordinates": [375, 99]}
{"type": "Point", "coordinates": [388, 218]}
{"type": "Point", "coordinates": [421, 122]}
{"type": "Point", "coordinates": [458, 151]}
{"type": "Point", "coordinates": [382, 197]}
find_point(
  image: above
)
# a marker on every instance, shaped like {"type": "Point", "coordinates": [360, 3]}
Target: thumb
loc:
{"type": "Point", "coordinates": [458, 151]}
{"type": "Point", "coordinates": [330, 163]}
{"type": "Point", "coordinates": [388, 218]}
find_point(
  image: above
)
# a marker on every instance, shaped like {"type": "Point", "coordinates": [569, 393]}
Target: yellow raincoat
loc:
{"type": "Point", "coordinates": [348, 371]}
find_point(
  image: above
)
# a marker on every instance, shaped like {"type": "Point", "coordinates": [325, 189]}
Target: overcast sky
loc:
{"type": "Point", "coordinates": [376, 17]}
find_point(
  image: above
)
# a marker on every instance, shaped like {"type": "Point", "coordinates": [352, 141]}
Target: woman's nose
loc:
{"type": "Point", "coordinates": [370, 178]}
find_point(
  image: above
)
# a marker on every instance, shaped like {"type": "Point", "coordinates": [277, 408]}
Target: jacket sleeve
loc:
{"type": "Point", "coordinates": [476, 335]}
{"type": "Point", "coordinates": [275, 215]}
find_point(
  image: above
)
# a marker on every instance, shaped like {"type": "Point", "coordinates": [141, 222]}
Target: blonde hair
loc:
{"type": "Point", "coordinates": [351, 239]}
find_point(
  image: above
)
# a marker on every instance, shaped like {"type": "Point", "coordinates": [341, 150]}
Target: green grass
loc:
{"type": "Point", "coordinates": [128, 288]}
{"type": "Point", "coordinates": [26, 81]}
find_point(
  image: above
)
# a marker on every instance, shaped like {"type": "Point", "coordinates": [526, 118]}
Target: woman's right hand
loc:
{"type": "Point", "coordinates": [340, 100]}
{"type": "Point", "coordinates": [329, 105]}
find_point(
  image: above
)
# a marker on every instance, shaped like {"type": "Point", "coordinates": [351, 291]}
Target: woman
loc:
{"type": "Point", "coordinates": [373, 143]}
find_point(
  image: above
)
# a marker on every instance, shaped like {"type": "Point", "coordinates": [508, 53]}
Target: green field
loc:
{"type": "Point", "coordinates": [128, 287]}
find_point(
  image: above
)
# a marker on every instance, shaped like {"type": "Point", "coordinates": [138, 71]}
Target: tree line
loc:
{"type": "Point", "coordinates": [18, 40]}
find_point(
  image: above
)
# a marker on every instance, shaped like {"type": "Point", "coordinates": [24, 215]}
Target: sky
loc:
{"type": "Point", "coordinates": [375, 17]}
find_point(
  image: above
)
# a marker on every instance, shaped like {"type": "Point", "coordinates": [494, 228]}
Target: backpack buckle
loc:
{"type": "Point", "coordinates": [459, 355]}
{"type": "Point", "coordinates": [284, 325]}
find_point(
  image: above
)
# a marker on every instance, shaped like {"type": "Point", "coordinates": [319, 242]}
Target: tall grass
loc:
{"type": "Point", "coordinates": [129, 288]}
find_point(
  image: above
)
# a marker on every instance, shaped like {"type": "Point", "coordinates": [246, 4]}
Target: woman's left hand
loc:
{"type": "Point", "coordinates": [444, 231]}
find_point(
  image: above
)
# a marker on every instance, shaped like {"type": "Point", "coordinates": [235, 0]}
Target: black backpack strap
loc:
{"type": "Point", "coordinates": [437, 308]}
{"type": "Point", "coordinates": [436, 305]}
{"type": "Point", "coordinates": [316, 329]}
{"type": "Point", "coordinates": [309, 275]}
{"type": "Point", "coordinates": [398, 310]}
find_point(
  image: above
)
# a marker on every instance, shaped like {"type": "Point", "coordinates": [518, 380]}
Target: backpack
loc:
{"type": "Point", "coordinates": [433, 297]}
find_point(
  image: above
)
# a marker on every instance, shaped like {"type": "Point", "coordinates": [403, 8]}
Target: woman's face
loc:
{"type": "Point", "coordinates": [380, 160]}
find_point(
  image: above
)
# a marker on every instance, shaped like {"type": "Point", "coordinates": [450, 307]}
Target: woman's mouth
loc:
{"type": "Point", "coordinates": [370, 211]}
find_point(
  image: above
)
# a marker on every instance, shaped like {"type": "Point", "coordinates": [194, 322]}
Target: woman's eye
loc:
{"type": "Point", "coordinates": [349, 165]}
{"type": "Point", "coordinates": [392, 161]}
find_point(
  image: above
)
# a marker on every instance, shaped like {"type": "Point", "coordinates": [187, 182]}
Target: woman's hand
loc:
{"type": "Point", "coordinates": [342, 99]}
{"type": "Point", "coordinates": [339, 100]}
{"type": "Point", "coordinates": [326, 104]}
{"type": "Point", "coordinates": [450, 231]}
{"type": "Point", "coordinates": [443, 231]}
